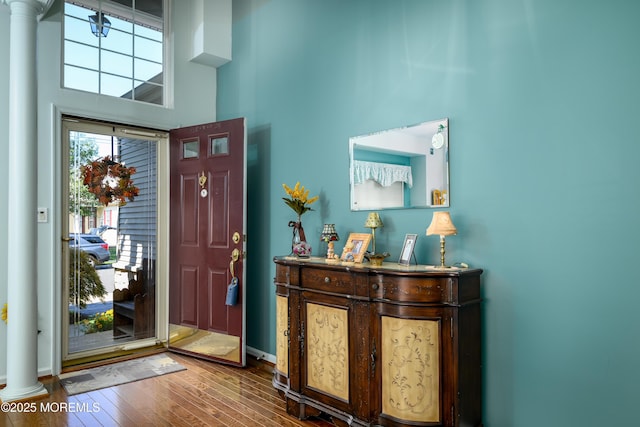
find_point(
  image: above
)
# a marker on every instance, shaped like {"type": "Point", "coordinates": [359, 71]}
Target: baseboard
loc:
{"type": "Point", "coordinates": [260, 358]}
{"type": "Point", "coordinates": [43, 373]}
{"type": "Point", "coordinates": [261, 355]}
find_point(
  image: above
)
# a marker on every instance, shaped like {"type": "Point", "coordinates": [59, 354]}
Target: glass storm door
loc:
{"type": "Point", "coordinates": [109, 238]}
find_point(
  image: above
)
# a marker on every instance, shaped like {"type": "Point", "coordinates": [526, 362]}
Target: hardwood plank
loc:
{"type": "Point", "coordinates": [199, 406]}
{"type": "Point", "coordinates": [205, 394]}
{"type": "Point", "coordinates": [151, 399]}
{"type": "Point", "coordinates": [245, 408]}
{"type": "Point", "coordinates": [124, 411]}
{"type": "Point", "coordinates": [242, 388]}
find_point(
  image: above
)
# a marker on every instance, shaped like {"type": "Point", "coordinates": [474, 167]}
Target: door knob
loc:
{"type": "Point", "coordinates": [235, 256]}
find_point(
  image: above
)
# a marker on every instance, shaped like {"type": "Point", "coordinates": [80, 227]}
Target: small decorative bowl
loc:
{"type": "Point", "coordinates": [377, 259]}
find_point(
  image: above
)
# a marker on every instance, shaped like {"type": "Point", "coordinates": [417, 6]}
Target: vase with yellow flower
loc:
{"type": "Point", "coordinates": [299, 202]}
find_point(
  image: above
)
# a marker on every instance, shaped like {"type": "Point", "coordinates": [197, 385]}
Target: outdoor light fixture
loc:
{"type": "Point", "coordinates": [100, 25]}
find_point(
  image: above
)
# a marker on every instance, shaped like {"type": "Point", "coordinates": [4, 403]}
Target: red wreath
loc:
{"type": "Point", "coordinates": [110, 181]}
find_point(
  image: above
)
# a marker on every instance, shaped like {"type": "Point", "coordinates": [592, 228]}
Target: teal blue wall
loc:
{"type": "Point", "coordinates": [542, 98]}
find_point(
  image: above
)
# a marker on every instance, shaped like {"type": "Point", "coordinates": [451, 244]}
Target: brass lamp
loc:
{"type": "Point", "coordinates": [373, 221]}
{"type": "Point", "coordinates": [441, 224]}
{"type": "Point", "coordinates": [329, 235]}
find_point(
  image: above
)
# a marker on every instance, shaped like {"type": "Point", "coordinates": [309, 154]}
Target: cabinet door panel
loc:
{"type": "Point", "coordinates": [329, 360]}
{"type": "Point", "coordinates": [282, 334]}
{"type": "Point", "coordinates": [328, 350]}
{"type": "Point", "coordinates": [410, 369]}
{"type": "Point", "coordinates": [413, 378]}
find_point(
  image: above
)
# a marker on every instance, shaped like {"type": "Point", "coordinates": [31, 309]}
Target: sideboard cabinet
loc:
{"type": "Point", "coordinates": [388, 345]}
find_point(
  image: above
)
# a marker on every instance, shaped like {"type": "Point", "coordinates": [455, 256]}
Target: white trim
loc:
{"type": "Point", "coordinates": [122, 12]}
{"type": "Point", "coordinates": [56, 230]}
{"type": "Point", "coordinates": [261, 355]}
{"type": "Point", "coordinates": [168, 67]}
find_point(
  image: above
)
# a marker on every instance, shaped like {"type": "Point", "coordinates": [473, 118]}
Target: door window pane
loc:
{"type": "Point", "coordinates": [219, 145]}
{"type": "Point", "coordinates": [190, 149]}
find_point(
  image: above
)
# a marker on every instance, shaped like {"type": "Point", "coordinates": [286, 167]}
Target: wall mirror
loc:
{"type": "Point", "coordinates": [401, 168]}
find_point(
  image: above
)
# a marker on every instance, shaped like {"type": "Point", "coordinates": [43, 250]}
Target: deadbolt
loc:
{"type": "Point", "coordinates": [236, 238]}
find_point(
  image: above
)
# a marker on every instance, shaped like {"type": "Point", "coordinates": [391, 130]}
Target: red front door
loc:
{"type": "Point", "coordinates": [207, 229]}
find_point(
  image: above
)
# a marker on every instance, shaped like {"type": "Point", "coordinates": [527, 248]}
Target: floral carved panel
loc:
{"type": "Point", "coordinates": [410, 369]}
{"type": "Point", "coordinates": [282, 335]}
{"type": "Point", "coordinates": [327, 346]}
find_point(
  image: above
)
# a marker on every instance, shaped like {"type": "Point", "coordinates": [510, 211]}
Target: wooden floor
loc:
{"type": "Point", "coordinates": [205, 394]}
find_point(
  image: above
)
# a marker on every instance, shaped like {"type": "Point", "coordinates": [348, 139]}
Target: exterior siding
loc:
{"type": "Point", "coordinates": [137, 220]}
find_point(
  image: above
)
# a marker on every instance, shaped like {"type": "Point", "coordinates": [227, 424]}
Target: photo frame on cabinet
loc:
{"type": "Point", "coordinates": [355, 248]}
{"type": "Point", "coordinates": [407, 249]}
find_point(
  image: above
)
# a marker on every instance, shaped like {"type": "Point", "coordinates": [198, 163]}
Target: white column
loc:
{"type": "Point", "coordinates": [22, 327]}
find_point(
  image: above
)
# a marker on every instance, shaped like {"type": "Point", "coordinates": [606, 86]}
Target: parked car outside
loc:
{"type": "Point", "coordinates": [98, 230]}
{"type": "Point", "coordinates": [93, 245]}
{"type": "Point", "coordinates": [108, 233]}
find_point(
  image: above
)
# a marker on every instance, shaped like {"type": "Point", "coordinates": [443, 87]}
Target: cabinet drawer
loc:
{"type": "Point", "coordinates": [283, 275]}
{"type": "Point", "coordinates": [327, 280]}
{"type": "Point", "coordinates": [415, 289]}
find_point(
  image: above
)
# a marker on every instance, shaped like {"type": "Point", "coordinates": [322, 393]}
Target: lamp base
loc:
{"type": "Point", "coordinates": [442, 265]}
{"type": "Point", "coordinates": [330, 250]}
{"type": "Point", "coordinates": [376, 260]}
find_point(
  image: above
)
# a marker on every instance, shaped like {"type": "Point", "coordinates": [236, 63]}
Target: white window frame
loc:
{"type": "Point", "coordinates": [143, 19]}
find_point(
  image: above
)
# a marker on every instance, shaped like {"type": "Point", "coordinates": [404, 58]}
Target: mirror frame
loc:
{"type": "Point", "coordinates": [401, 168]}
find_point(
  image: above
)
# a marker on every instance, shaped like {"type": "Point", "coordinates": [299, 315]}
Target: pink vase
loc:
{"type": "Point", "coordinates": [299, 245]}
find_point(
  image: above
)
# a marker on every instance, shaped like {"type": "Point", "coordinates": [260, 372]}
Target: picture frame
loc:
{"type": "Point", "coordinates": [407, 249]}
{"type": "Point", "coordinates": [355, 247]}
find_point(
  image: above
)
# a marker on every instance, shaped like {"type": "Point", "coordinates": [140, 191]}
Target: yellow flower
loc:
{"type": "Point", "coordinates": [299, 198]}
{"type": "Point", "coordinates": [5, 313]}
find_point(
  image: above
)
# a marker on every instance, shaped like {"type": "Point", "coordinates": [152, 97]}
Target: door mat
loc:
{"type": "Point", "coordinates": [118, 373]}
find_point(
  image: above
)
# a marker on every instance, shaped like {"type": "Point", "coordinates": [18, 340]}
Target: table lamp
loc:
{"type": "Point", "coordinates": [441, 224]}
{"type": "Point", "coordinates": [373, 221]}
{"type": "Point", "coordinates": [329, 235]}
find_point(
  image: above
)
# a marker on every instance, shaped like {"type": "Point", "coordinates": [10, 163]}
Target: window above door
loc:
{"type": "Point", "coordinates": [116, 48]}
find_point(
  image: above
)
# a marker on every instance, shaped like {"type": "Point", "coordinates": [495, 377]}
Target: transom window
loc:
{"type": "Point", "coordinates": [115, 48]}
